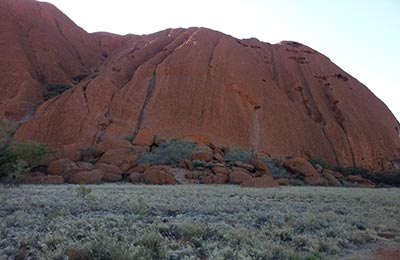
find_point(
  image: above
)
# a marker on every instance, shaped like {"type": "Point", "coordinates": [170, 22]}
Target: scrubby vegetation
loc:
{"type": "Point", "coordinates": [238, 154]}
{"type": "Point", "coordinates": [55, 89]}
{"type": "Point", "coordinates": [319, 161]}
{"type": "Point", "coordinates": [193, 221]}
{"type": "Point", "coordinates": [169, 153]}
{"type": "Point", "coordinates": [381, 178]}
{"type": "Point", "coordinates": [17, 159]}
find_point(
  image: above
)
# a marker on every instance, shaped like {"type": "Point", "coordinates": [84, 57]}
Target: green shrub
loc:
{"type": "Point", "coordinates": [353, 171]}
{"type": "Point", "coordinates": [83, 191]}
{"type": "Point", "coordinates": [21, 158]}
{"type": "Point", "coordinates": [387, 177]}
{"type": "Point", "coordinates": [319, 161]}
{"type": "Point", "coordinates": [169, 153]}
{"type": "Point", "coordinates": [55, 89]}
{"type": "Point", "coordinates": [238, 154]}
{"type": "Point", "coordinates": [277, 171]}
{"type": "Point", "coordinates": [200, 163]}
{"type": "Point", "coordinates": [151, 245]}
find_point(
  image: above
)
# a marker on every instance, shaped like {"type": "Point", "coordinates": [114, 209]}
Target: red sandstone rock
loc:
{"type": "Point", "coordinates": [206, 179]}
{"type": "Point", "coordinates": [220, 178]}
{"type": "Point", "coordinates": [175, 91]}
{"type": "Point", "coordinates": [111, 173]}
{"type": "Point", "coordinates": [158, 175]}
{"type": "Point", "coordinates": [144, 137]}
{"type": "Point", "coordinates": [62, 166]}
{"type": "Point", "coordinates": [301, 166]}
{"type": "Point", "coordinates": [86, 177]}
{"type": "Point", "coordinates": [265, 181]}
{"type": "Point", "coordinates": [40, 178]}
{"type": "Point", "coordinates": [259, 164]}
{"type": "Point", "coordinates": [140, 168]}
{"type": "Point", "coordinates": [220, 169]}
{"type": "Point", "coordinates": [124, 158]}
{"type": "Point", "coordinates": [239, 176]}
{"type": "Point", "coordinates": [246, 166]}
{"type": "Point", "coordinates": [362, 182]}
{"type": "Point", "coordinates": [202, 153]}
{"type": "Point", "coordinates": [112, 144]}
{"type": "Point", "coordinates": [135, 177]}
{"type": "Point", "coordinates": [331, 179]}
{"type": "Point", "coordinates": [316, 181]}
{"type": "Point", "coordinates": [282, 181]}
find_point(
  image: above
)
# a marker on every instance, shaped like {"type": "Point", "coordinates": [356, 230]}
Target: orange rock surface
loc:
{"type": "Point", "coordinates": [282, 99]}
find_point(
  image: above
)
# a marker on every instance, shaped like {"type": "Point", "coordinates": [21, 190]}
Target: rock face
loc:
{"type": "Point", "coordinates": [39, 46]}
{"type": "Point", "coordinates": [187, 82]}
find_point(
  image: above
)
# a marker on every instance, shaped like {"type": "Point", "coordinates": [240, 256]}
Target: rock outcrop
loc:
{"type": "Point", "coordinates": [285, 99]}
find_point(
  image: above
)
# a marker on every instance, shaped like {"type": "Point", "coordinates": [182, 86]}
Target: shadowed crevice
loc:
{"type": "Point", "coordinates": [331, 145]}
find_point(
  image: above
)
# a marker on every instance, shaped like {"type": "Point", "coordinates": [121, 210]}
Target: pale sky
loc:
{"type": "Point", "coordinates": [360, 36]}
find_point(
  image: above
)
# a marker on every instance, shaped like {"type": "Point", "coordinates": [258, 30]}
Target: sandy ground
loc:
{"type": "Point", "coordinates": [384, 249]}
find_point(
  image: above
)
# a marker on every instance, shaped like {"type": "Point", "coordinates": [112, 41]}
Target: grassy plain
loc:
{"type": "Point", "coordinates": [125, 221]}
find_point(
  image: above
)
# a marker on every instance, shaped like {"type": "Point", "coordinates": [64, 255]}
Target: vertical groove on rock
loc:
{"type": "Point", "coordinates": [208, 79]}
{"type": "Point", "coordinates": [331, 145]}
{"type": "Point", "coordinates": [149, 93]}
{"type": "Point", "coordinates": [350, 147]}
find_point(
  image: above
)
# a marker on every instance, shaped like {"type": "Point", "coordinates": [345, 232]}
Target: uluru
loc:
{"type": "Point", "coordinates": [283, 99]}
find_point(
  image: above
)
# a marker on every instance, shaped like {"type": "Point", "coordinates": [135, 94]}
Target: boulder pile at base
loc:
{"type": "Point", "coordinates": [120, 160]}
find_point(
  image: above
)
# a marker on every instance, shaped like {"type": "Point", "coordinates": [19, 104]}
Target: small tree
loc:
{"type": "Point", "coordinates": [20, 158]}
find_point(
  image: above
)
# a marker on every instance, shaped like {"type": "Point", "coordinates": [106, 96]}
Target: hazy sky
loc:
{"type": "Point", "coordinates": [360, 36]}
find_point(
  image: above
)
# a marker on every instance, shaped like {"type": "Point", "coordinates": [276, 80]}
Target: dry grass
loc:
{"type": "Point", "coordinates": [123, 221]}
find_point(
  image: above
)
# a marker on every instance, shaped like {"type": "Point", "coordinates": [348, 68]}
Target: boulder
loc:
{"type": "Point", "coordinates": [220, 178]}
{"type": "Point", "coordinates": [206, 179]}
{"type": "Point", "coordinates": [259, 164]}
{"type": "Point", "coordinates": [111, 144]}
{"type": "Point", "coordinates": [40, 178]}
{"type": "Point", "coordinates": [111, 173]}
{"type": "Point", "coordinates": [85, 166]}
{"type": "Point", "coordinates": [265, 181]}
{"type": "Point", "coordinates": [158, 175]}
{"type": "Point", "coordinates": [86, 177]}
{"type": "Point", "coordinates": [220, 169]}
{"type": "Point", "coordinates": [335, 174]}
{"type": "Point", "coordinates": [282, 181]}
{"type": "Point", "coordinates": [239, 176]}
{"type": "Point", "coordinates": [246, 166]}
{"type": "Point", "coordinates": [135, 177]}
{"type": "Point", "coordinates": [179, 174]}
{"type": "Point", "coordinates": [62, 167]}
{"type": "Point", "coordinates": [144, 137]}
{"type": "Point", "coordinates": [331, 179]}
{"type": "Point", "coordinates": [301, 167]}
{"type": "Point", "coordinates": [316, 181]}
{"type": "Point", "coordinates": [123, 158]}
{"type": "Point", "coordinates": [140, 168]}
{"type": "Point", "coordinates": [188, 164]}
{"type": "Point", "coordinates": [362, 182]}
{"type": "Point", "coordinates": [202, 153]}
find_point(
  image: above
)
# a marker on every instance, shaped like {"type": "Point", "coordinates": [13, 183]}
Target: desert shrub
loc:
{"type": "Point", "coordinates": [83, 191]}
{"type": "Point", "coordinates": [353, 171]}
{"type": "Point", "coordinates": [55, 89]}
{"type": "Point", "coordinates": [150, 242]}
{"type": "Point", "coordinates": [200, 163]}
{"type": "Point", "coordinates": [169, 153]}
{"type": "Point", "coordinates": [21, 158]}
{"type": "Point", "coordinates": [139, 207]}
{"type": "Point", "coordinates": [238, 154]}
{"type": "Point", "coordinates": [80, 77]}
{"type": "Point", "coordinates": [319, 161]}
{"type": "Point", "coordinates": [7, 130]}
{"type": "Point", "coordinates": [277, 171]}
{"type": "Point", "coordinates": [387, 177]}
